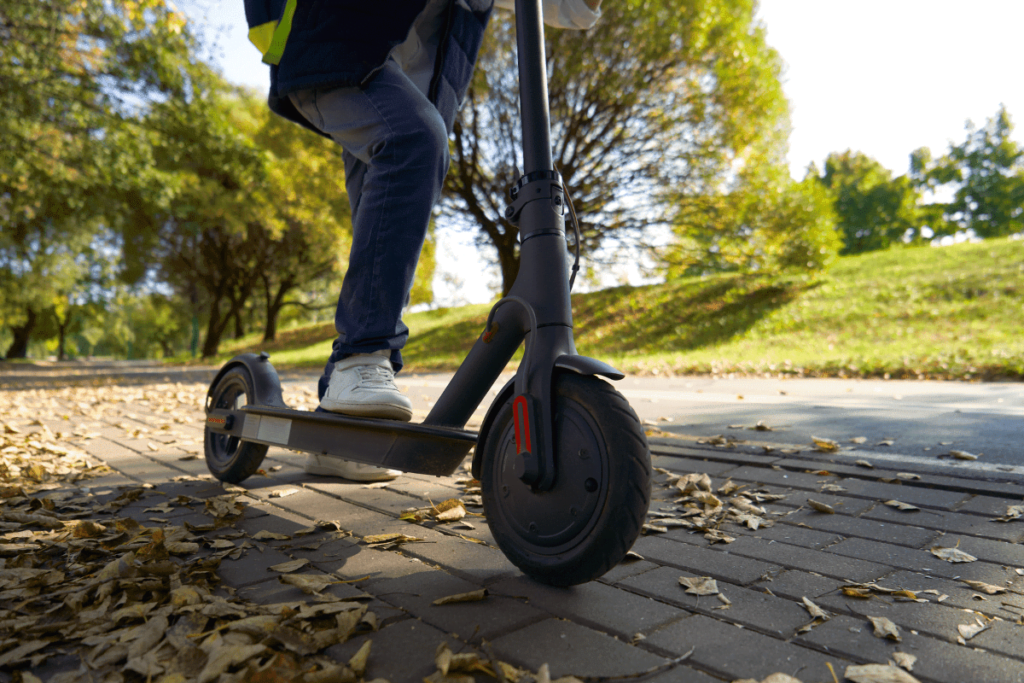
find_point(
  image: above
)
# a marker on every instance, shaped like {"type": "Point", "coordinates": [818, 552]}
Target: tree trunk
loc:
{"type": "Point", "coordinates": [19, 346]}
{"type": "Point", "coordinates": [508, 258]}
{"type": "Point", "coordinates": [274, 306]}
{"type": "Point", "coordinates": [61, 336]}
{"type": "Point", "coordinates": [239, 325]}
{"type": "Point", "coordinates": [214, 329]}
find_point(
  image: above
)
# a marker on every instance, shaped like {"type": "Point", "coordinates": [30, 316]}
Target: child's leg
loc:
{"type": "Point", "coordinates": [396, 158]}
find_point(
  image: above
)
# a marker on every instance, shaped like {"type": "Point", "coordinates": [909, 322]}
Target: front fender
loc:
{"type": "Point", "coordinates": [579, 364]}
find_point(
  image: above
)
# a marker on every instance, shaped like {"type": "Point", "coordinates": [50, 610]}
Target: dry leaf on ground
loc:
{"type": "Point", "coordinates": [821, 507]}
{"type": "Point", "coordinates": [878, 673]}
{"type": "Point", "coordinates": [904, 660]}
{"type": "Point", "coordinates": [884, 628]}
{"type": "Point", "coordinates": [952, 554]}
{"type": "Point", "coordinates": [968, 631]}
{"type": "Point", "coordinates": [899, 505]}
{"type": "Point", "coordinates": [824, 445]}
{"type": "Point", "coordinates": [963, 455]}
{"type": "Point", "coordinates": [1012, 512]}
{"type": "Point", "coordinates": [988, 588]}
{"type": "Point", "coordinates": [699, 585]}
{"type": "Point", "coordinates": [471, 596]}
{"type": "Point", "coordinates": [815, 611]}
{"type": "Point", "coordinates": [291, 566]}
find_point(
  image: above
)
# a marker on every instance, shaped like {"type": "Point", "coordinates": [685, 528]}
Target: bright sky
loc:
{"type": "Point", "coordinates": [886, 77]}
{"type": "Point", "coordinates": [883, 77]}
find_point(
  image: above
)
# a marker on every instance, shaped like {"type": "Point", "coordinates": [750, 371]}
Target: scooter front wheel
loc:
{"type": "Point", "coordinates": [229, 458]}
{"type": "Point", "coordinates": [593, 514]}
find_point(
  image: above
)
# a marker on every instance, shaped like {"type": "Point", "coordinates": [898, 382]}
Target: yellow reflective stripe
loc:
{"type": "Point", "coordinates": [284, 27]}
{"type": "Point", "coordinates": [261, 35]}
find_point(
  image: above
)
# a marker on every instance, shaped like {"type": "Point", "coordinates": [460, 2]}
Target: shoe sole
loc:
{"type": "Point", "coordinates": [329, 472]}
{"type": "Point", "coordinates": [385, 411]}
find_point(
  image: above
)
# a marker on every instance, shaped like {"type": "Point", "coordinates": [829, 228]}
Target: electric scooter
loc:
{"type": "Point", "coordinates": [562, 458]}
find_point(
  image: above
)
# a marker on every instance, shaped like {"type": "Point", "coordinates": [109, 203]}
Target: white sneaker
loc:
{"type": "Point", "coordinates": [355, 471]}
{"type": "Point", "coordinates": [364, 385]}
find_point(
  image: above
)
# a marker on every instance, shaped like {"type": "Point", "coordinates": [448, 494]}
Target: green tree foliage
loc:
{"type": "Point", "coordinates": [765, 222]}
{"type": "Point", "coordinates": [244, 207]}
{"type": "Point", "coordinates": [986, 174]}
{"type": "Point", "coordinates": [658, 101]}
{"type": "Point", "coordinates": [873, 209]}
{"type": "Point", "coordinates": [73, 73]}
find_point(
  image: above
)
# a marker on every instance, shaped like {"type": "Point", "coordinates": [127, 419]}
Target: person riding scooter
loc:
{"type": "Point", "coordinates": [383, 80]}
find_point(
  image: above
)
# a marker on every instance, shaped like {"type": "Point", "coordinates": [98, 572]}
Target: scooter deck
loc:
{"type": "Point", "coordinates": [405, 446]}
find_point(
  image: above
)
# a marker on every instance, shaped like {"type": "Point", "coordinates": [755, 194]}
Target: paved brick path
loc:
{"type": "Point", "coordinates": [638, 617]}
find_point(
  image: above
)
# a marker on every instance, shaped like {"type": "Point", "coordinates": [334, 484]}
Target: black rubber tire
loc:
{"type": "Point", "coordinates": [544, 533]}
{"type": "Point", "coordinates": [229, 458]}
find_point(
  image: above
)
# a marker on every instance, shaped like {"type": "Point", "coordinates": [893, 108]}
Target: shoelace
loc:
{"type": "Point", "coordinates": [374, 376]}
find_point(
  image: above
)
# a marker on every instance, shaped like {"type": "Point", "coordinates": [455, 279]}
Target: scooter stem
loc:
{"type": "Point", "coordinates": [533, 87]}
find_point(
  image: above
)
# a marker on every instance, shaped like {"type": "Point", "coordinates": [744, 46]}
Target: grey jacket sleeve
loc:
{"type": "Point", "coordinates": [572, 14]}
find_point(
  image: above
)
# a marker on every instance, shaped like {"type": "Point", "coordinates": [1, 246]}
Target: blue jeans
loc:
{"type": "Point", "coordinates": [396, 157]}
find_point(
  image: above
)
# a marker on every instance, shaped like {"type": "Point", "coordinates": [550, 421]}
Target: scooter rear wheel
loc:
{"type": "Point", "coordinates": [229, 458]}
{"type": "Point", "coordinates": [593, 514]}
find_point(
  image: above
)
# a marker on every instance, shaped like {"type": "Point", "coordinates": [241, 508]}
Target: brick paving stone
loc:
{"type": "Point", "coordinates": [787, 478]}
{"type": "Point", "coordinates": [418, 488]}
{"type": "Point", "coordinates": [361, 521]}
{"type": "Point", "coordinates": [1001, 636]}
{"type": "Point", "coordinates": [988, 550]}
{"type": "Point", "coordinates": [795, 585]}
{"type": "Point", "coordinates": [929, 618]}
{"type": "Point", "coordinates": [626, 569]}
{"type": "Point", "coordinates": [915, 495]}
{"type": "Point", "coordinates": [840, 503]}
{"type": "Point", "coordinates": [682, 465]}
{"type": "Point", "coordinates": [252, 567]}
{"type": "Point", "coordinates": [755, 608]}
{"type": "Point", "coordinates": [1004, 605]}
{"type": "Point", "coordinates": [921, 560]}
{"type": "Point", "coordinates": [886, 531]}
{"type": "Point", "coordinates": [680, 673]}
{"type": "Point", "coordinates": [595, 604]}
{"type": "Point", "coordinates": [571, 649]}
{"type": "Point", "coordinates": [990, 506]}
{"type": "Point", "coordinates": [797, 535]}
{"type": "Point", "coordinates": [853, 637]}
{"type": "Point", "coordinates": [273, 591]}
{"type": "Point", "coordinates": [380, 499]}
{"type": "Point", "coordinates": [720, 564]}
{"type": "Point", "coordinates": [473, 561]}
{"type": "Point", "coordinates": [950, 522]}
{"type": "Point", "coordinates": [357, 561]}
{"type": "Point", "coordinates": [747, 456]}
{"type": "Point", "coordinates": [937, 660]}
{"type": "Point", "coordinates": [403, 651]}
{"type": "Point", "coordinates": [732, 652]}
{"type": "Point", "coordinates": [487, 619]}
{"type": "Point", "coordinates": [794, 557]}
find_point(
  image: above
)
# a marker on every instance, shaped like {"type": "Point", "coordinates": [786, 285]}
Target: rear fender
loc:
{"type": "Point", "coordinates": [265, 382]}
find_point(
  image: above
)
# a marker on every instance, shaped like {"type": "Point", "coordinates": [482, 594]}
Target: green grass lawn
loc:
{"type": "Point", "coordinates": [952, 312]}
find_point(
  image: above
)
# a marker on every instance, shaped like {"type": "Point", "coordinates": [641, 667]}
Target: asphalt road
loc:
{"type": "Point", "coordinates": [911, 422]}
{"type": "Point", "coordinates": [923, 420]}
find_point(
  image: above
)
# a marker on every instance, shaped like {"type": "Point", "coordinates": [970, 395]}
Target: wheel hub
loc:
{"type": "Point", "coordinates": [551, 520]}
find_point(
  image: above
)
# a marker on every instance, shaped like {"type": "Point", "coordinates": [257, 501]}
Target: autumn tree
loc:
{"type": "Point", "coordinates": [873, 209]}
{"type": "Point", "coordinates": [74, 75]}
{"type": "Point", "coordinates": [657, 102]}
{"type": "Point", "coordinates": [986, 175]}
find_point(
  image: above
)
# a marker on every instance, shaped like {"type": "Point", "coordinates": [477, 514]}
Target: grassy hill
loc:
{"type": "Point", "coordinates": [952, 312]}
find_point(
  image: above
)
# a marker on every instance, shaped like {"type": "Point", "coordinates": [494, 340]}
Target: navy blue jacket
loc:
{"type": "Point", "coordinates": [336, 43]}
